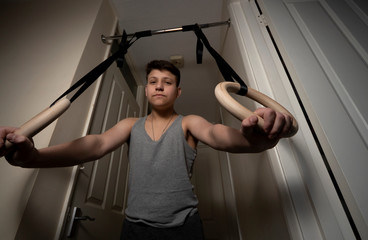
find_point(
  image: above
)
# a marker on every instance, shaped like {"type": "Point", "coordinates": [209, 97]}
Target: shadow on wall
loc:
{"type": "Point", "coordinates": [258, 199]}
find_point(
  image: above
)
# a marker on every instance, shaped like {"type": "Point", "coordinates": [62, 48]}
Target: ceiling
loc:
{"type": "Point", "coordinates": [198, 81]}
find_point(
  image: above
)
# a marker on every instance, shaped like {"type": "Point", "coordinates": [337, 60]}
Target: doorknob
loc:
{"type": "Point", "coordinates": [84, 218]}
{"type": "Point", "coordinates": [73, 218]}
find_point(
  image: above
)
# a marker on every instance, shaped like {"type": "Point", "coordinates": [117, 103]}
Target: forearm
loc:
{"type": "Point", "coordinates": [67, 154]}
{"type": "Point", "coordinates": [228, 139]}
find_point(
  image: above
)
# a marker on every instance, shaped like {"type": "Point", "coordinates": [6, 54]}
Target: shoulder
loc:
{"type": "Point", "coordinates": [119, 134]}
{"type": "Point", "coordinates": [193, 119]}
{"type": "Point", "coordinates": [130, 121]}
{"type": "Point", "coordinates": [190, 120]}
{"type": "Point", "coordinates": [188, 123]}
{"type": "Point", "coordinates": [195, 124]}
{"type": "Point", "coordinates": [127, 123]}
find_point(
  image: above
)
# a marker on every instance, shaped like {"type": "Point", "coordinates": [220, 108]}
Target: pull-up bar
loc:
{"type": "Point", "coordinates": [61, 104]}
{"type": "Point", "coordinates": [185, 28]}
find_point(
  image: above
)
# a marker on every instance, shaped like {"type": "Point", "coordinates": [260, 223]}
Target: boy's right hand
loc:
{"type": "Point", "coordinates": [22, 150]}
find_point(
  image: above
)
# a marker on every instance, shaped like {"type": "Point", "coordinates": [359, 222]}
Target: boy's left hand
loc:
{"type": "Point", "coordinates": [276, 124]}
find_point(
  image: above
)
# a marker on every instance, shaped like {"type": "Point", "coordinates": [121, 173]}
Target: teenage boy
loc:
{"type": "Point", "coordinates": [162, 150]}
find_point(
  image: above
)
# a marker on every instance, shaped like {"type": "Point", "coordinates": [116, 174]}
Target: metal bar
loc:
{"type": "Point", "coordinates": [105, 39]}
{"type": "Point", "coordinates": [169, 30]}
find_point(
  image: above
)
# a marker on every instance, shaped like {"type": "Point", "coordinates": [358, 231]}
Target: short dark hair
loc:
{"type": "Point", "coordinates": [163, 65]}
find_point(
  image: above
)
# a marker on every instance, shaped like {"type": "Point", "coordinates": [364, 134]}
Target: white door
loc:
{"type": "Point", "coordinates": [100, 191]}
{"type": "Point", "coordinates": [324, 44]}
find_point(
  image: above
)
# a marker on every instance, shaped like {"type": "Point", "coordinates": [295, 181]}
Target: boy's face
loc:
{"type": "Point", "coordinates": [161, 89]}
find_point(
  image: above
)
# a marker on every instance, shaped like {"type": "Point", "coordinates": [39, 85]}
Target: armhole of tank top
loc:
{"type": "Point", "coordinates": [185, 140]}
{"type": "Point", "coordinates": [183, 135]}
{"type": "Point", "coordinates": [188, 145]}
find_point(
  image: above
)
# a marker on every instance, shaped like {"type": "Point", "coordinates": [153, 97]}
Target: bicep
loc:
{"type": "Point", "coordinates": [117, 135]}
{"type": "Point", "coordinates": [201, 129]}
{"type": "Point", "coordinates": [217, 136]}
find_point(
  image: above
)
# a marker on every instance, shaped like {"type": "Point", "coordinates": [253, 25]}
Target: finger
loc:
{"type": "Point", "coordinates": [269, 116]}
{"type": "Point", "coordinates": [22, 148]}
{"type": "Point", "coordinates": [9, 159]}
{"type": "Point", "coordinates": [22, 142]}
{"type": "Point", "coordinates": [4, 131]}
{"type": "Point", "coordinates": [11, 137]}
{"type": "Point", "coordinates": [288, 124]}
{"type": "Point", "coordinates": [248, 125]}
{"type": "Point", "coordinates": [278, 125]}
{"type": "Point", "coordinates": [2, 151]}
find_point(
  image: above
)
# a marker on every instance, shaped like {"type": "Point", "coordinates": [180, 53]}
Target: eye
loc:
{"type": "Point", "coordinates": [168, 81]}
{"type": "Point", "coordinates": [152, 81]}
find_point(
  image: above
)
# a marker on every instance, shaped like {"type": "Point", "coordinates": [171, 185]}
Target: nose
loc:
{"type": "Point", "coordinates": [159, 86]}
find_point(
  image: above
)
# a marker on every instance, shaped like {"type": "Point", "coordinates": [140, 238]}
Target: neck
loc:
{"type": "Point", "coordinates": [160, 118]}
{"type": "Point", "coordinates": [162, 114]}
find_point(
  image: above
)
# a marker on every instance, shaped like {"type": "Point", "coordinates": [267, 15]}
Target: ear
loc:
{"type": "Point", "coordinates": [145, 90]}
{"type": "Point", "coordinates": [178, 93]}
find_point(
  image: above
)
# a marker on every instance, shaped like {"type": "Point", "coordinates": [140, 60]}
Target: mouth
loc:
{"type": "Point", "coordinates": [158, 95]}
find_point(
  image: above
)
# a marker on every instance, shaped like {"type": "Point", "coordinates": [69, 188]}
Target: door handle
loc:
{"type": "Point", "coordinates": [74, 218]}
{"type": "Point", "coordinates": [84, 218]}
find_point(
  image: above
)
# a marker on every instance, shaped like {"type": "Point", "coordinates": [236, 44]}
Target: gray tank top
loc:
{"type": "Point", "coordinates": [160, 191]}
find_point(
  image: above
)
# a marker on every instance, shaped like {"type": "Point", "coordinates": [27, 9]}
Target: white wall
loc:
{"type": "Point", "coordinates": [42, 46]}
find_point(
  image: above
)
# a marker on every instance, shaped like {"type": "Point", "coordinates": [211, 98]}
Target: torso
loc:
{"type": "Point", "coordinates": [192, 141]}
{"type": "Point", "coordinates": [160, 190]}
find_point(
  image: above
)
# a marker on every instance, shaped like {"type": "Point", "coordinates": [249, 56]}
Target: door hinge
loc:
{"type": "Point", "coordinates": [262, 20]}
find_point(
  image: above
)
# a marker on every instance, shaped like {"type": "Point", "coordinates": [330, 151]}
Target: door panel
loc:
{"type": "Point", "coordinates": [323, 43]}
{"type": "Point", "coordinates": [100, 190]}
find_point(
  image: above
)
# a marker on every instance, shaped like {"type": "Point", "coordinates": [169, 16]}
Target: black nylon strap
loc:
{"type": "Point", "coordinates": [92, 76]}
{"type": "Point", "coordinates": [199, 51]}
{"type": "Point", "coordinates": [120, 59]}
{"type": "Point", "coordinates": [226, 70]}
{"type": "Point", "coordinates": [188, 28]}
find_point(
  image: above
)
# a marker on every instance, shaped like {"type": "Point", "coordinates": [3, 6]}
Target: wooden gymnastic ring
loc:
{"type": "Point", "coordinates": [41, 120]}
{"type": "Point", "coordinates": [240, 112]}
